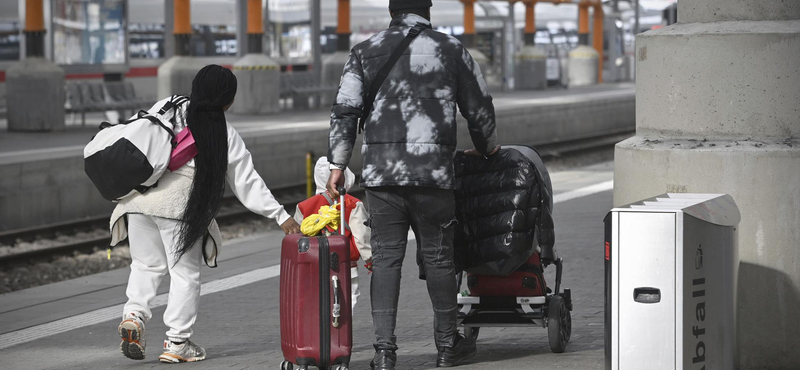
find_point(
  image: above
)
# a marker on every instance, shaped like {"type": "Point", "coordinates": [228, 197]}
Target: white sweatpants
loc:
{"type": "Point", "coordinates": [354, 292]}
{"type": "Point", "coordinates": [153, 241]}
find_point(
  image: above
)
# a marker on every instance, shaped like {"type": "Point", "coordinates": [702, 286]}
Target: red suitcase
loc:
{"type": "Point", "coordinates": [316, 322]}
{"type": "Point", "coordinates": [527, 281]}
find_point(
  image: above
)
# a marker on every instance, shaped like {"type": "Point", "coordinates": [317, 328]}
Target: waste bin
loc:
{"type": "Point", "coordinates": [670, 283]}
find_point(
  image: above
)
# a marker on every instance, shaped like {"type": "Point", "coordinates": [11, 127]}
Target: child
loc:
{"type": "Point", "coordinates": [355, 217]}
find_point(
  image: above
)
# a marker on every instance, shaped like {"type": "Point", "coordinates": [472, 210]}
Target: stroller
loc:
{"type": "Point", "coordinates": [504, 239]}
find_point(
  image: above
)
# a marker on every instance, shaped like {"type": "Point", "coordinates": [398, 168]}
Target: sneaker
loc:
{"type": "Point", "coordinates": [184, 352]}
{"type": "Point", "coordinates": [384, 360]}
{"type": "Point", "coordinates": [463, 349]}
{"type": "Point", "coordinates": [131, 329]}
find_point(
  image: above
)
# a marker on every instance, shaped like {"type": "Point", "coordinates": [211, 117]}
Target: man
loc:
{"type": "Point", "coordinates": [409, 144]}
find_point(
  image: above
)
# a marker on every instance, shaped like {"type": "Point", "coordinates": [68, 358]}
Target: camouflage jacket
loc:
{"type": "Point", "coordinates": [410, 134]}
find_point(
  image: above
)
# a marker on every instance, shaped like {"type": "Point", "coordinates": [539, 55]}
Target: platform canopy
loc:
{"type": "Point", "coordinates": [366, 15]}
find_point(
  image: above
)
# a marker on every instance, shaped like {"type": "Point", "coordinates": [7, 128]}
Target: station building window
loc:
{"type": "Point", "coordinates": [10, 41]}
{"type": "Point", "coordinates": [89, 32]}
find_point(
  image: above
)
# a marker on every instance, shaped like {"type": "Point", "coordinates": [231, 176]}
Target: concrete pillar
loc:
{"type": "Point", "coordinates": [169, 28]}
{"type": "Point", "coordinates": [509, 48]}
{"type": "Point", "coordinates": [583, 60]}
{"type": "Point", "coordinates": [333, 65]}
{"type": "Point", "coordinates": [176, 74]}
{"type": "Point", "coordinates": [35, 86]}
{"type": "Point", "coordinates": [316, 32]}
{"type": "Point", "coordinates": [469, 38]}
{"type": "Point", "coordinates": [242, 23]}
{"type": "Point", "coordinates": [258, 76]}
{"type": "Point", "coordinates": [531, 61]}
{"type": "Point", "coordinates": [717, 112]}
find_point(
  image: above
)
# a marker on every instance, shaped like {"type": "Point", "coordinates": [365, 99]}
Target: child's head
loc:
{"type": "Point", "coordinates": [323, 170]}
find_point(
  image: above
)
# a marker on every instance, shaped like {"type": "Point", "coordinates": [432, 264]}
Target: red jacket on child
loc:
{"type": "Point", "coordinates": [312, 205]}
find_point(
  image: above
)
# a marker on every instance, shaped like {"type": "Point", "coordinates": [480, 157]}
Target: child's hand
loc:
{"type": "Point", "coordinates": [368, 264]}
{"type": "Point", "coordinates": [290, 226]}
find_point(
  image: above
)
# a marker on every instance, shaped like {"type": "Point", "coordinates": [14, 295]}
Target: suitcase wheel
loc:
{"type": "Point", "coordinates": [286, 365]}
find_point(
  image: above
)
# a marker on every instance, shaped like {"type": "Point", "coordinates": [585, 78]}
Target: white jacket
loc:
{"type": "Point", "coordinates": [168, 199]}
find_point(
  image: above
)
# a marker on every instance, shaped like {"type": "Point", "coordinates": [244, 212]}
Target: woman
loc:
{"type": "Point", "coordinates": [171, 227]}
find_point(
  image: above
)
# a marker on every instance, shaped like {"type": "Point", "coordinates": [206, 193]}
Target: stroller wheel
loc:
{"type": "Point", "coordinates": [559, 324]}
{"type": "Point", "coordinates": [472, 332]}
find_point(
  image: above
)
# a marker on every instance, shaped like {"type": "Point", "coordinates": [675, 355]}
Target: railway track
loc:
{"type": "Point", "coordinates": [230, 212]}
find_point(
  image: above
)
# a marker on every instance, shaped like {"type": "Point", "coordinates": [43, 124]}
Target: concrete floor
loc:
{"type": "Point", "coordinates": [238, 323]}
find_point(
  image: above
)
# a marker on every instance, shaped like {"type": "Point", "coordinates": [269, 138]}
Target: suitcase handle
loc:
{"type": "Point", "coordinates": [335, 312]}
{"type": "Point", "coordinates": [342, 192]}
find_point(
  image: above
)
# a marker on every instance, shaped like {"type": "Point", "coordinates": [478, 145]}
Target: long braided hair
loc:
{"type": "Point", "coordinates": [213, 89]}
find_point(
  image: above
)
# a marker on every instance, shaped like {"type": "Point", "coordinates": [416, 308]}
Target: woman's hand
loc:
{"type": "Point", "coordinates": [290, 226]}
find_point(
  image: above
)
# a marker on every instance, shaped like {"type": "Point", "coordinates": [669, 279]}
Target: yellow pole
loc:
{"type": "Point", "coordinates": [343, 26]}
{"type": "Point", "coordinates": [583, 24]}
{"type": "Point", "coordinates": [530, 22]}
{"type": "Point", "coordinates": [597, 39]}
{"type": "Point", "coordinates": [34, 16]}
{"type": "Point", "coordinates": [254, 17]}
{"type": "Point", "coordinates": [182, 30]}
{"type": "Point", "coordinates": [182, 17]}
{"type": "Point", "coordinates": [34, 28]}
{"type": "Point", "coordinates": [309, 175]}
{"type": "Point", "coordinates": [469, 23]}
{"type": "Point", "coordinates": [530, 17]}
{"type": "Point", "coordinates": [255, 27]}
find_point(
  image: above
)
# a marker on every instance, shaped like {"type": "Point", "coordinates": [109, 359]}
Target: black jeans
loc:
{"type": "Point", "coordinates": [431, 215]}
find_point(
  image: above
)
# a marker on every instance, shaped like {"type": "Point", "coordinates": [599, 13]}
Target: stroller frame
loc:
{"type": "Point", "coordinates": [551, 311]}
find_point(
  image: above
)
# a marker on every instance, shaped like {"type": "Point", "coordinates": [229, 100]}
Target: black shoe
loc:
{"type": "Point", "coordinates": [463, 349]}
{"type": "Point", "coordinates": [384, 360]}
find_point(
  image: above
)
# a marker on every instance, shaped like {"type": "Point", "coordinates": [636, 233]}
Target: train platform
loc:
{"type": "Point", "coordinates": [73, 324]}
{"type": "Point", "coordinates": [42, 179]}
{"type": "Point", "coordinates": [21, 145]}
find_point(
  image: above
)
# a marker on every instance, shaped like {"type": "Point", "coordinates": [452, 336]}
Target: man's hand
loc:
{"type": "Point", "coordinates": [476, 153]}
{"type": "Point", "coordinates": [290, 226]}
{"type": "Point", "coordinates": [335, 181]}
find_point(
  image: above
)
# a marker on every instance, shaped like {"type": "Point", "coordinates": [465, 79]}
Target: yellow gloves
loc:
{"type": "Point", "coordinates": [314, 224]}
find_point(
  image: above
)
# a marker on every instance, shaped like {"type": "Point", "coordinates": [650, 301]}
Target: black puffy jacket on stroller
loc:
{"type": "Point", "coordinates": [504, 210]}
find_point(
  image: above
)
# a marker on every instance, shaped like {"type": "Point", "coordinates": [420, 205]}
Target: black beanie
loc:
{"type": "Point", "coordinates": [395, 5]}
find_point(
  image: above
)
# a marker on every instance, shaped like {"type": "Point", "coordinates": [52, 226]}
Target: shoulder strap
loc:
{"type": "Point", "coordinates": [330, 201]}
{"type": "Point", "coordinates": [173, 103]}
{"type": "Point", "coordinates": [384, 72]}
